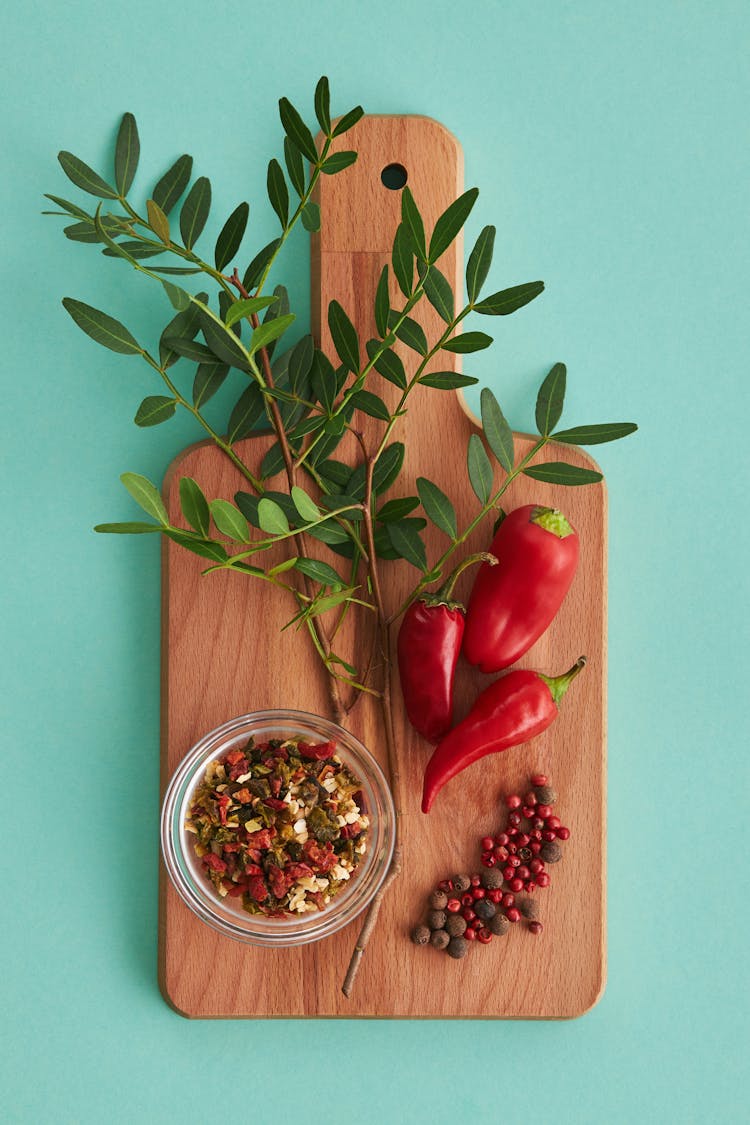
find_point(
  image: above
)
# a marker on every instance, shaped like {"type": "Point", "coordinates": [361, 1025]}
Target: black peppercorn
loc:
{"type": "Point", "coordinates": [439, 938]}
{"type": "Point", "coordinates": [529, 907]}
{"type": "Point", "coordinates": [485, 909]}
{"type": "Point", "coordinates": [491, 878]}
{"type": "Point", "coordinates": [458, 947]}
{"type": "Point", "coordinates": [498, 925]}
{"type": "Point", "coordinates": [545, 794]}
{"type": "Point", "coordinates": [551, 852]}
{"type": "Point", "coordinates": [438, 900]}
{"type": "Point", "coordinates": [455, 925]}
{"type": "Point", "coordinates": [461, 883]}
{"type": "Point", "coordinates": [420, 935]}
{"type": "Point", "coordinates": [436, 919]}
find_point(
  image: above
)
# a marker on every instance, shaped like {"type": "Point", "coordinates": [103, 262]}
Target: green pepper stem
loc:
{"type": "Point", "coordinates": [445, 591]}
{"type": "Point", "coordinates": [558, 685]}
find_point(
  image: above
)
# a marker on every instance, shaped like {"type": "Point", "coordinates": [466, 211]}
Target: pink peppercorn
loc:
{"type": "Point", "coordinates": [543, 879]}
{"type": "Point", "coordinates": [538, 779]}
{"type": "Point", "coordinates": [484, 936]}
{"type": "Point", "coordinates": [535, 927]}
{"type": "Point", "coordinates": [513, 802]}
{"type": "Point", "coordinates": [513, 915]}
{"type": "Point", "coordinates": [563, 833]}
{"type": "Point", "coordinates": [453, 905]}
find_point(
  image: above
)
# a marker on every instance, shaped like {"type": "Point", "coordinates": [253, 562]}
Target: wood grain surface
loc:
{"type": "Point", "coordinates": [223, 655]}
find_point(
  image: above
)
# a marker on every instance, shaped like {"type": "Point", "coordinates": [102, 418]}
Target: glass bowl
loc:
{"type": "Point", "coordinates": [226, 914]}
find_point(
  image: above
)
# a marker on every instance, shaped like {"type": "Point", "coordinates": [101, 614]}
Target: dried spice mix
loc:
{"type": "Point", "coordinates": [279, 824]}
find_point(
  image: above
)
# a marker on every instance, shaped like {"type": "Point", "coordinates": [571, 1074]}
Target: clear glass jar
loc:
{"type": "Point", "coordinates": [226, 914]}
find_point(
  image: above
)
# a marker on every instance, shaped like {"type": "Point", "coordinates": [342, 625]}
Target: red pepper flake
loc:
{"type": "Point", "coordinates": [316, 751]}
{"type": "Point", "coordinates": [213, 863]}
{"type": "Point", "coordinates": [257, 888]}
{"type": "Point", "coordinates": [274, 803]}
{"type": "Point", "coordinates": [234, 757]}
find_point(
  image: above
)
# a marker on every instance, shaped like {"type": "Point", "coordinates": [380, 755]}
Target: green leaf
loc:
{"type": "Point", "coordinates": [300, 363]}
{"type": "Point", "coordinates": [447, 380]}
{"type": "Point", "coordinates": [103, 328]}
{"type": "Point", "coordinates": [155, 409]}
{"type": "Point", "coordinates": [549, 401]}
{"type": "Point", "coordinates": [173, 183]}
{"type": "Point", "coordinates": [271, 518]}
{"type": "Point", "coordinates": [496, 429]}
{"type": "Point", "coordinates": [257, 267]}
{"type": "Point", "coordinates": [296, 130]}
{"type": "Point", "coordinates": [206, 548]}
{"type": "Point", "coordinates": [344, 336]}
{"type": "Point", "coordinates": [184, 326]}
{"type": "Point", "coordinates": [407, 543]}
{"type": "Point", "coordinates": [387, 364]}
{"type": "Point", "coordinates": [190, 349]}
{"type": "Point", "coordinates": [127, 152]}
{"type": "Point", "coordinates": [508, 300]}
{"type": "Point", "coordinates": [84, 177]}
{"type": "Point", "coordinates": [372, 405]}
{"type": "Point", "coordinates": [306, 507]}
{"type": "Point", "coordinates": [323, 380]}
{"type": "Point", "coordinates": [335, 473]}
{"type": "Point", "coordinates": [133, 248]}
{"type": "Point", "coordinates": [221, 340]}
{"type": "Point", "coordinates": [412, 334]}
{"type": "Point", "coordinates": [478, 265]}
{"type": "Point", "coordinates": [480, 469]}
{"type": "Point", "coordinates": [194, 212]}
{"type": "Point", "coordinates": [337, 162]}
{"type": "Point", "coordinates": [228, 242]}
{"type": "Point", "coordinates": [127, 528]}
{"type": "Point", "coordinates": [176, 270]}
{"type": "Point", "coordinates": [195, 506]}
{"type": "Point", "coordinates": [157, 220]}
{"type": "Point", "coordinates": [597, 434]}
{"type": "Point", "coordinates": [388, 467]}
{"type": "Point", "coordinates": [310, 215]}
{"type": "Point", "coordinates": [323, 105]}
{"type": "Point", "coordinates": [72, 209]}
{"type": "Point", "coordinates": [467, 342]}
{"type": "Point", "coordinates": [382, 303]}
{"type": "Point", "coordinates": [208, 379]}
{"type": "Point", "coordinates": [248, 505]}
{"type": "Point", "coordinates": [559, 472]}
{"type": "Point", "coordinates": [336, 501]}
{"type": "Point", "coordinates": [349, 119]}
{"type": "Point", "coordinates": [273, 462]}
{"type": "Point", "coordinates": [229, 520]}
{"type": "Point", "coordinates": [278, 192]}
{"type": "Point", "coordinates": [383, 546]}
{"type": "Point", "coordinates": [437, 506]}
{"type": "Point", "coordinates": [238, 310]}
{"type": "Point", "coordinates": [450, 223]}
{"type": "Point", "coordinates": [282, 567]}
{"type": "Point", "coordinates": [412, 220]}
{"type": "Point", "coordinates": [246, 413]}
{"type": "Point", "coordinates": [403, 259]}
{"type": "Point", "coordinates": [294, 166]}
{"type": "Point", "coordinates": [270, 330]}
{"type": "Point", "coordinates": [146, 495]}
{"type": "Point", "coordinates": [178, 298]}
{"type": "Point", "coordinates": [330, 533]}
{"type": "Point", "coordinates": [397, 509]}
{"type": "Point", "coordinates": [439, 293]}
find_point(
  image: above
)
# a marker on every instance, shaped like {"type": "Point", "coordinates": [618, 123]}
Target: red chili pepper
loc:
{"type": "Point", "coordinates": [511, 606]}
{"type": "Point", "coordinates": [512, 710]}
{"type": "Point", "coordinates": [429, 642]}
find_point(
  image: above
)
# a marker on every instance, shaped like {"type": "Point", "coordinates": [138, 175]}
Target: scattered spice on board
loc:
{"type": "Point", "coordinates": [279, 824]}
{"type": "Point", "coordinates": [467, 909]}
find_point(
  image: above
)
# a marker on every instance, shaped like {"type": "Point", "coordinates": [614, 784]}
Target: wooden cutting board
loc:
{"type": "Point", "coordinates": [224, 654]}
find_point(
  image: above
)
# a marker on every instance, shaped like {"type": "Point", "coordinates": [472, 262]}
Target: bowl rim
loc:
{"type": "Point", "coordinates": [257, 929]}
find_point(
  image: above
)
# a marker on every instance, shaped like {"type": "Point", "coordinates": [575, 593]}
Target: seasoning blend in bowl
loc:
{"type": "Point", "coordinates": [278, 828]}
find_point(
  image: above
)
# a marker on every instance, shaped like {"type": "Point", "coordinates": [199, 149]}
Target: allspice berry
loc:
{"type": "Point", "coordinates": [485, 909]}
{"type": "Point", "coordinates": [436, 919]}
{"type": "Point", "coordinates": [455, 925]}
{"type": "Point", "coordinates": [420, 935]}
{"type": "Point", "coordinates": [528, 906]}
{"type": "Point", "coordinates": [440, 939]}
{"type": "Point", "coordinates": [491, 879]}
{"type": "Point", "coordinates": [458, 947]}
{"type": "Point", "coordinates": [461, 883]}
{"type": "Point", "coordinates": [545, 794]}
{"type": "Point", "coordinates": [551, 852]}
{"type": "Point", "coordinates": [498, 925]}
{"type": "Point", "coordinates": [438, 900]}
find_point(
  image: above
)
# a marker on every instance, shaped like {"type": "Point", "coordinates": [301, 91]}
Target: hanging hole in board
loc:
{"type": "Point", "coordinates": [394, 176]}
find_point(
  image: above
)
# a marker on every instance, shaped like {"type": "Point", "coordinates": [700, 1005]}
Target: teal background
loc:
{"type": "Point", "coordinates": [610, 144]}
